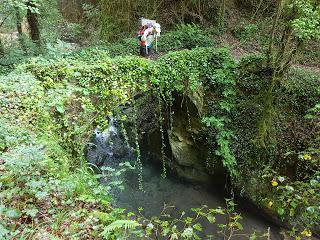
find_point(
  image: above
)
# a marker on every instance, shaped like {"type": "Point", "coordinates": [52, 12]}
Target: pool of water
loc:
{"type": "Point", "coordinates": [108, 149]}
{"type": "Point", "coordinates": [184, 196]}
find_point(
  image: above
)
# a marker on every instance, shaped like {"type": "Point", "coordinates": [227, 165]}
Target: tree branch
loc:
{"type": "Point", "coordinates": [4, 20]}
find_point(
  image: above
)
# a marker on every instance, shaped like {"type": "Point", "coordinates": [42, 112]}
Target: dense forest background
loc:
{"type": "Point", "coordinates": [88, 22]}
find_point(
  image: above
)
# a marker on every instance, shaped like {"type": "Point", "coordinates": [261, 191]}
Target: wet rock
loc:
{"type": "Point", "coordinates": [196, 97]}
{"type": "Point", "coordinates": [191, 174]}
{"type": "Point", "coordinates": [182, 144]}
{"type": "Point", "coordinates": [183, 149]}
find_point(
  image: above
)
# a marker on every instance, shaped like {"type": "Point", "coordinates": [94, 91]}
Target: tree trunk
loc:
{"type": "Point", "coordinates": [222, 13]}
{"type": "Point", "coordinates": [33, 22]}
{"type": "Point", "coordinates": [19, 29]}
{"type": "Point", "coordinates": [270, 53]}
{"type": "Point", "coordinates": [1, 48]}
{"type": "Point", "coordinates": [256, 12]}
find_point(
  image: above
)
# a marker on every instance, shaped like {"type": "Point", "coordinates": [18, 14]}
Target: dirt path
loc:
{"type": "Point", "coordinates": [237, 50]}
{"type": "Point", "coordinates": [314, 69]}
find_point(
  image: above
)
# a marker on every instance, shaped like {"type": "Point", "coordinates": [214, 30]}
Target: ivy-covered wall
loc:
{"type": "Point", "coordinates": [231, 99]}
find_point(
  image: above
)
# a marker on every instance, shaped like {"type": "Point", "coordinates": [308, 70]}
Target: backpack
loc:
{"type": "Point", "coordinates": [140, 34]}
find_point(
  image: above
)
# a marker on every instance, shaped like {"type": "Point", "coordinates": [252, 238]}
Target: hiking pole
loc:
{"type": "Point", "coordinates": [156, 43]}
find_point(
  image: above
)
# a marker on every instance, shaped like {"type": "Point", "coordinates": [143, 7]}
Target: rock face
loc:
{"type": "Point", "coordinates": [189, 158]}
{"type": "Point", "coordinates": [183, 149]}
{"type": "Point", "coordinates": [189, 162]}
{"type": "Point", "coordinates": [185, 152]}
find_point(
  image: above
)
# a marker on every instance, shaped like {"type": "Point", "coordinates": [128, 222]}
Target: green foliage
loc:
{"type": "Point", "coordinates": [10, 59]}
{"type": "Point", "coordinates": [190, 226]}
{"type": "Point", "coordinates": [31, 176]}
{"type": "Point", "coordinates": [253, 75]}
{"type": "Point", "coordinates": [299, 90]}
{"type": "Point", "coordinates": [184, 37]}
{"type": "Point", "coordinates": [291, 29]}
{"type": "Point", "coordinates": [293, 152]}
{"type": "Point", "coordinates": [115, 81]}
{"type": "Point", "coordinates": [223, 79]}
{"type": "Point", "coordinates": [306, 24]}
{"type": "Point", "coordinates": [54, 111]}
{"type": "Point", "coordinates": [11, 136]}
{"type": "Point", "coordinates": [310, 55]}
{"type": "Point", "coordinates": [187, 36]}
{"type": "Point", "coordinates": [223, 139]}
{"type": "Point", "coordinates": [121, 225]}
{"type": "Point", "coordinates": [184, 72]}
{"type": "Point", "coordinates": [245, 31]}
{"type": "Point", "coordinates": [116, 19]}
{"type": "Point", "coordinates": [17, 46]}
{"type": "Point", "coordinates": [21, 4]}
{"type": "Point", "coordinates": [34, 167]}
{"type": "Point", "coordinates": [303, 88]}
{"type": "Point", "coordinates": [298, 93]}
{"type": "Point", "coordinates": [298, 198]}
{"type": "Point", "coordinates": [124, 47]}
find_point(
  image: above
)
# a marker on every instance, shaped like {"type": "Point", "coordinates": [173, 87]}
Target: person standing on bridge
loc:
{"type": "Point", "coordinates": [148, 33]}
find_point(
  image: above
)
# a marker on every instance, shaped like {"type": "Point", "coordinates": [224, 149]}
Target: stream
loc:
{"type": "Point", "coordinates": [108, 149]}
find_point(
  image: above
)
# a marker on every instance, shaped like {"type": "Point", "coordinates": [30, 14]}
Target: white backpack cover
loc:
{"type": "Point", "coordinates": [147, 22]}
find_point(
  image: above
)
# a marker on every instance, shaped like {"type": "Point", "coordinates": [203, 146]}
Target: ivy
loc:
{"type": "Point", "coordinates": [114, 82]}
{"type": "Point", "coordinates": [224, 80]}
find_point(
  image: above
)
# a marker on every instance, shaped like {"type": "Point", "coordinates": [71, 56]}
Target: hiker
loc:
{"type": "Point", "coordinates": [149, 32]}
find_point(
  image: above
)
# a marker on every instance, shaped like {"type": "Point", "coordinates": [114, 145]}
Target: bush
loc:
{"type": "Point", "coordinates": [125, 47]}
{"type": "Point", "coordinates": [11, 58]}
{"type": "Point", "coordinates": [301, 90]}
{"type": "Point", "coordinates": [245, 31]}
{"type": "Point", "coordinates": [185, 37]}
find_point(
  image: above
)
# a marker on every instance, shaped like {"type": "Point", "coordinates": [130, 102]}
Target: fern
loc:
{"type": "Point", "coordinates": [119, 224]}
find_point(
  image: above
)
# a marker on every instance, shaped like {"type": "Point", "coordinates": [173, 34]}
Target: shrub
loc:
{"type": "Point", "coordinates": [185, 37]}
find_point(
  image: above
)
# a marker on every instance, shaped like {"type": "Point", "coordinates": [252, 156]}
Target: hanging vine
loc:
{"type": "Point", "coordinates": [163, 146]}
{"type": "Point", "coordinates": [138, 163]}
{"type": "Point", "coordinates": [186, 71]}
